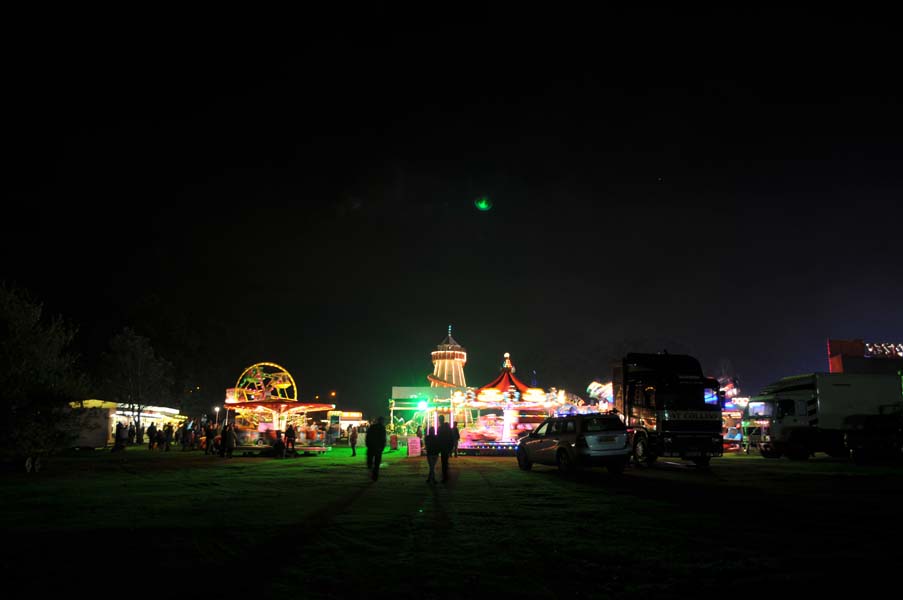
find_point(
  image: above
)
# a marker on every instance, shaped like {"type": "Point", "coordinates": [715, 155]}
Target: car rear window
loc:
{"type": "Point", "coordinates": [603, 424]}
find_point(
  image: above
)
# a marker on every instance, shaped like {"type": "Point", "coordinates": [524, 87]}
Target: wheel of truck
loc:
{"type": "Point", "coordinates": [28, 464]}
{"type": "Point", "coordinates": [565, 464]}
{"type": "Point", "coordinates": [641, 454]}
{"type": "Point", "coordinates": [770, 453]}
{"type": "Point", "coordinates": [522, 461]}
{"type": "Point", "coordinates": [703, 462]}
{"type": "Point", "coordinates": [37, 464]}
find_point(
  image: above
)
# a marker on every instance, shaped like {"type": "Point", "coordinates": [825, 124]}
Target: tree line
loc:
{"type": "Point", "coordinates": [41, 374]}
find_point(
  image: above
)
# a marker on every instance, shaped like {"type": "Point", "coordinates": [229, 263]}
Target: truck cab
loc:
{"type": "Point", "coordinates": [767, 421]}
{"type": "Point", "coordinates": [670, 407]}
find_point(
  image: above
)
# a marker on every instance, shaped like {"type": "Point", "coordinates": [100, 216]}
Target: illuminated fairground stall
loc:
{"type": "Point", "coordinates": [732, 412]}
{"type": "Point", "coordinates": [732, 422]}
{"type": "Point", "coordinates": [491, 418]}
{"type": "Point", "coordinates": [344, 420]}
{"type": "Point", "coordinates": [602, 395]}
{"type": "Point", "coordinates": [93, 422]}
{"type": "Point", "coordinates": [264, 402]}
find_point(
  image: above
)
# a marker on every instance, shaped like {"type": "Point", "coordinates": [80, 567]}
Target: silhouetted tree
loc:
{"type": "Point", "coordinates": [133, 374]}
{"type": "Point", "coordinates": [38, 374]}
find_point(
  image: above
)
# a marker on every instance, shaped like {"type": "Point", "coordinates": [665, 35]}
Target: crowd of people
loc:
{"type": "Point", "coordinates": [438, 445]}
{"type": "Point", "coordinates": [218, 439]}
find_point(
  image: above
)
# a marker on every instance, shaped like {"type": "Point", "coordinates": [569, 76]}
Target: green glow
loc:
{"type": "Point", "coordinates": [421, 405]}
{"type": "Point", "coordinates": [483, 204]}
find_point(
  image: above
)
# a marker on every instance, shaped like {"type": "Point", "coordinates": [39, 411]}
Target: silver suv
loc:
{"type": "Point", "coordinates": [576, 440]}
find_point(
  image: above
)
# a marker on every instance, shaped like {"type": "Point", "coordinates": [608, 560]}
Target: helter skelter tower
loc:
{"type": "Point", "coordinates": [449, 359]}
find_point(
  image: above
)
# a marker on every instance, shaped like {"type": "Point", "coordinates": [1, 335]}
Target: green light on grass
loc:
{"type": "Point", "coordinates": [483, 204]}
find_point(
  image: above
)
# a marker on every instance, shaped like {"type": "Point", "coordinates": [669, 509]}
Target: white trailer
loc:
{"type": "Point", "coordinates": [800, 415]}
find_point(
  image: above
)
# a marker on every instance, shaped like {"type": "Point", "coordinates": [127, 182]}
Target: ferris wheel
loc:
{"type": "Point", "coordinates": [265, 381]}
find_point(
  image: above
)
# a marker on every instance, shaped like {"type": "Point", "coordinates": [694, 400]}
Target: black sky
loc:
{"type": "Point", "coordinates": [724, 184]}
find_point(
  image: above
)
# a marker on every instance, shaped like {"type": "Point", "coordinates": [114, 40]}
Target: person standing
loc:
{"type": "Point", "coordinates": [229, 441]}
{"type": "Point", "coordinates": [167, 436]}
{"type": "Point", "coordinates": [352, 441]}
{"type": "Point", "coordinates": [376, 443]}
{"type": "Point", "coordinates": [120, 437]}
{"type": "Point", "coordinates": [456, 437]}
{"type": "Point", "coordinates": [151, 436]}
{"type": "Point", "coordinates": [432, 454]}
{"type": "Point", "coordinates": [290, 437]}
{"type": "Point", "coordinates": [446, 440]}
{"type": "Point", "coordinates": [209, 437]}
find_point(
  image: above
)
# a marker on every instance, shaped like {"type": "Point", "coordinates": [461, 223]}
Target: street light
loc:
{"type": "Point", "coordinates": [216, 410]}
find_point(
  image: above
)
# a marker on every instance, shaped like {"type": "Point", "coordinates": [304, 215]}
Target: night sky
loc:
{"type": "Point", "coordinates": [726, 185]}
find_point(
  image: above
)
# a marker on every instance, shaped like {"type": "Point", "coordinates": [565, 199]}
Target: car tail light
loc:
{"type": "Point", "coordinates": [581, 442]}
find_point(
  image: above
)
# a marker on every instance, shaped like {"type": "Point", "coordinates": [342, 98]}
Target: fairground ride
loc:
{"type": "Point", "coordinates": [490, 419]}
{"type": "Point", "coordinates": [265, 401]}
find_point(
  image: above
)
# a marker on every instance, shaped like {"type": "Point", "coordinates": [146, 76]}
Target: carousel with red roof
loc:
{"type": "Point", "coordinates": [493, 417]}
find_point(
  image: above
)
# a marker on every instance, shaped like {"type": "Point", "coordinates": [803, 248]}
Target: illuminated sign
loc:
{"type": "Point", "coordinates": [691, 415]}
{"type": "Point", "coordinates": [883, 349]}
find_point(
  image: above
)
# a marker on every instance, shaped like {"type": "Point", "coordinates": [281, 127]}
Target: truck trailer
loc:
{"type": "Point", "coordinates": [835, 413]}
{"type": "Point", "coordinates": [669, 406]}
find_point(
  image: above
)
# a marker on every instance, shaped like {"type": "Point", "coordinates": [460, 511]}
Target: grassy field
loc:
{"type": "Point", "coordinates": [316, 526]}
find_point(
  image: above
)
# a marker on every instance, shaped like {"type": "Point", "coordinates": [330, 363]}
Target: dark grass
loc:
{"type": "Point", "coordinates": [316, 526]}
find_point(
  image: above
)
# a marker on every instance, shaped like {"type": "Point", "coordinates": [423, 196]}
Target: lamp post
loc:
{"type": "Point", "coordinates": [216, 410]}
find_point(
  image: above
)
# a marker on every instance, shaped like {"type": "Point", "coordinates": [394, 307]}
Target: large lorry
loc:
{"type": "Point", "coordinates": [835, 413]}
{"type": "Point", "coordinates": [669, 406]}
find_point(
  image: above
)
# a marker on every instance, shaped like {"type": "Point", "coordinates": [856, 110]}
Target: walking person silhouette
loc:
{"type": "Point", "coordinates": [376, 443]}
{"type": "Point", "coordinates": [446, 440]}
{"type": "Point", "coordinates": [352, 441]}
{"type": "Point", "coordinates": [432, 453]}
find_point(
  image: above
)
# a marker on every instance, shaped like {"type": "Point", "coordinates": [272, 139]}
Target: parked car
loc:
{"type": "Point", "coordinates": [596, 439]}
